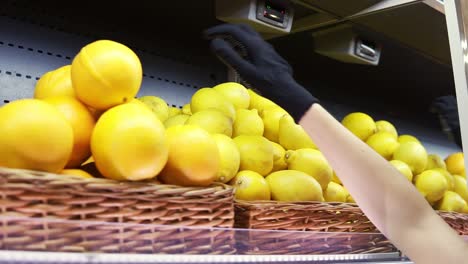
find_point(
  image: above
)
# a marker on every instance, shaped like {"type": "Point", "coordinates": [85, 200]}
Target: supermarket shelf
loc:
{"type": "Point", "coordinates": [75, 258]}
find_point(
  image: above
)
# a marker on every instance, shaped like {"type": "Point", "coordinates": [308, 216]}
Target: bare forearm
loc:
{"type": "Point", "coordinates": [386, 197]}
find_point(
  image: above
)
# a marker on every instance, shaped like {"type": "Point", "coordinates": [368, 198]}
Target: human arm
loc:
{"type": "Point", "coordinates": [383, 194]}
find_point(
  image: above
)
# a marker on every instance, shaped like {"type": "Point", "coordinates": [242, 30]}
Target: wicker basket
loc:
{"type": "Point", "coordinates": [341, 228]}
{"type": "Point", "coordinates": [87, 208]}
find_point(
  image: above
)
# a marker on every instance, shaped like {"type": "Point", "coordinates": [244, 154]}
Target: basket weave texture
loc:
{"type": "Point", "coordinates": [26, 194]}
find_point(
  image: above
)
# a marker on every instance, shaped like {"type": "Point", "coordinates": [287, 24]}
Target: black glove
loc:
{"type": "Point", "coordinates": [446, 108]}
{"type": "Point", "coordinates": [261, 67]}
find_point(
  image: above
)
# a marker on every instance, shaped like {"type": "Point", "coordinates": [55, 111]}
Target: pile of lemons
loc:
{"type": "Point", "coordinates": [442, 182]}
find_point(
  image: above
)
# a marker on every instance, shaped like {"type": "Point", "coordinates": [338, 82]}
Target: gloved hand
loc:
{"type": "Point", "coordinates": [262, 67]}
{"type": "Point", "coordinates": [446, 108]}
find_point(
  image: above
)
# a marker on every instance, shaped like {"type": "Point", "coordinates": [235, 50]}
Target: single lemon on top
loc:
{"type": "Point", "coordinates": [384, 125]}
{"type": "Point", "coordinates": [413, 154]}
{"type": "Point", "coordinates": [292, 136]}
{"type": "Point", "coordinates": [259, 102]}
{"type": "Point", "coordinates": [187, 109]}
{"type": "Point", "coordinates": [293, 186]}
{"type": "Point", "coordinates": [236, 93]}
{"type": "Point", "coordinates": [256, 154]}
{"type": "Point", "coordinates": [432, 185]}
{"type": "Point", "coordinates": [250, 186]}
{"type": "Point", "coordinates": [194, 158]}
{"type": "Point", "coordinates": [229, 158]}
{"type": "Point", "coordinates": [403, 168]}
{"type": "Point", "coordinates": [211, 120]}
{"type": "Point", "coordinates": [435, 161]}
{"type": "Point", "coordinates": [271, 116]}
{"type": "Point", "coordinates": [208, 98]}
{"type": "Point", "coordinates": [247, 122]}
{"type": "Point", "coordinates": [312, 162]}
{"type": "Point", "coordinates": [35, 136]}
{"type": "Point", "coordinates": [157, 105]}
{"type": "Point", "coordinates": [408, 138]}
{"type": "Point", "coordinates": [455, 163]}
{"type": "Point", "coordinates": [106, 73]}
{"type": "Point", "coordinates": [129, 143]}
{"type": "Point", "coordinates": [82, 122]}
{"type": "Point", "coordinates": [360, 124]}
{"type": "Point", "coordinates": [383, 143]}
{"type": "Point", "coordinates": [55, 83]}
{"type": "Point", "coordinates": [173, 111]}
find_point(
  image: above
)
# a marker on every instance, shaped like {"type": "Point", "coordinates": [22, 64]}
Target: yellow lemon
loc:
{"type": "Point", "coordinates": [259, 102]}
{"type": "Point", "coordinates": [336, 179]}
{"type": "Point", "coordinates": [82, 122]}
{"type": "Point", "coordinates": [350, 199]}
{"type": "Point", "coordinates": [256, 154]}
{"type": "Point", "coordinates": [455, 163]}
{"type": "Point", "coordinates": [106, 73]}
{"type": "Point", "coordinates": [194, 158]}
{"type": "Point", "coordinates": [460, 186]}
{"type": "Point", "coordinates": [312, 162]}
{"type": "Point", "coordinates": [432, 185]}
{"type": "Point", "coordinates": [403, 168]}
{"type": "Point", "coordinates": [383, 125]}
{"type": "Point", "coordinates": [247, 122]}
{"type": "Point", "coordinates": [208, 98]}
{"type": "Point", "coordinates": [271, 117]}
{"type": "Point", "coordinates": [173, 111]}
{"type": "Point", "coordinates": [408, 138]}
{"type": "Point", "coordinates": [177, 120]}
{"type": "Point", "coordinates": [293, 186]}
{"type": "Point", "coordinates": [236, 93]}
{"type": "Point", "coordinates": [128, 143]}
{"type": "Point", "coordinates": [435, 161]}
{"type": "Point", "coordinates": [213, 121]}
{"type": "Point", "coordinates": [448, 176]}
{"type": "Point", "coordinates": [335, 193]}
{"type": "Point", "coordinates": [292, 136]}
{"type": "Point", "coordinates": [186, 109]}
{"type": "Point", "coordinates": [157, 105]}
{"type": "Point", "coordinates": [76, 172]}
{"type": "Point", "coordinates": [413, 154]}
{"type": "Point", "coordinates": [35, 136]}
{"type": "Point", "coordinates": [279, 157]}
{"type": "Point", "coordinates": [55, 83]}
{"type": "Point", "coordinates": [451, 202]}
{"type": "Point", "coordinates": [383, 143]}
{"type": "Point", "coordinates": [229, 158]}
{"type": "Point", "coordinates": [360, 124]}
{"type": "Point", "coordinates": [250, 186]}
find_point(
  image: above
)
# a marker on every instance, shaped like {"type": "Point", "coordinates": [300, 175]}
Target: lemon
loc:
{"type": "Point", "coordinates": [256, 154]}
{"type": "Point", "coordinates": [35, 136]}
{"type": "Point", "coordinates": [271, 116]}
{"type": "Point", "coordinates": [208, 98]}
{"type": "Point", "coordinates": [106, 73]}
{"type": "Point", "coordinates": [55, 83]}
{"type": "Point", "coordinates": [448, 176]}
{"type": "Point", "coordinates": [293, 186]}
{"type": "Point", "coordinates": [247, 122]}
{"type": "Point", "coordinates": [157, 105]}
{"type": "Point", "coordinates": [177, 120]}
{"type": "Point", "coordinates": [194, 158]}
{"type": "Point", "coordinates": [213, 121]}
{"type": "Point", "coordinates": [76, 172]}
{"type": "Point", "coordinates": [173, 111]}
{"type": "Point", "coordinates": [383, 143]}
{"type": "Point", "coordinates": [336, 179]}
{"type": "Point", "coordinates": [292, 136]}
{"type": "Point", "coordinates": [460, 186]}
{"type": "Point", "coordinates": [455, 163]}
{"type": "Point", "coordinates": [229, 158]}
{"type": "Point", "coordinates": [360, 124]}
{"type": "Point", "coordinates": [383, 125]}
{"type": "Point", "coordinates": [335, 193]}
{"type": "Point", "coordinates": [432, 185]}
{"type": "Point", "coordinates": [236, 93]}
{"type": "Point", "coordinates": [250, 186]}
{"type": "Point", "coordinates": [312, 162]}
{"type": "Point", "coordinates": [186, 109]}
{"type": "Point", "coordinates": [82, 123]}
{"type": "Point", "coordinates": [451, 202]}
{"type": "Point", "coordinates": [128, 143]}
{"type": "Point", "coordinates": [259, 102]}
{"type": "Point", "coordinates": [408, 138]}
{"type": "Point", "coordinates": [350, 199]}
{"type": "Point", "coordinates": [413, 154]}
{"type": "Point", "coordinates": [435, 161]}
{"type": "Point", "coordinates": [279, 157]}
{"type": "Point", "coordinates": [403, 168]}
